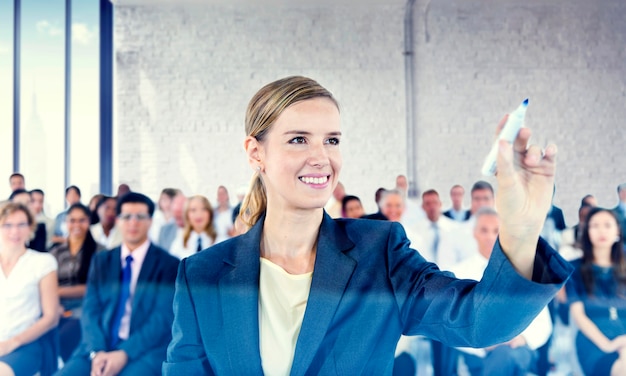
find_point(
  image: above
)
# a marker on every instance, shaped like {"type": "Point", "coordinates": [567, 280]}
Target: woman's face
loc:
{"type": "Point", "coordinates": [106, 212]}
{"type": "Point", "coordinates": [354, 209]}
{"type": "Point", "coordinates": [14, 230]}
{"type": "Point", "coordinates": [197, 215]}
{"type": "Point", "coordinates": [77, 224]}
{"type": "Point", "coordinates": [603, 230]}
{"type": "Point", "coordinates": [300, 155]}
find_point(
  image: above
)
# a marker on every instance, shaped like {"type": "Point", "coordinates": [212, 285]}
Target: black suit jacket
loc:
{"type": "Point", "coordinates": [152, 314]}
{"type": "Point", "coordinates": [557, 216]}
{"type": "Point", "coordinates": [448, 213]}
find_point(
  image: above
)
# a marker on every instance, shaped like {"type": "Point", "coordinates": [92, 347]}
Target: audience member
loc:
{"type": "Point", "coordinates": [351, 207]}
{"type": "Point", "coordinates": [377, 197]}
{"type": "Point", "coordinates": [72, 196]}
{"type": "Point", "coordinates": [596, 294]}
{"type": "Point", "coordinates": [570, 248]}
{"type": "Point", "coordinates": [456, 212]}
{"type": "Point", "coordinates": [127, 311]}
{"type": "Point", "coordinates": [163, 214]}
{"type": "Point", "coordinates": [589, 200]}
{"type": "Point", "coordinates": [437, 233]}
{"type": "Point", "coordinates": [170, 230]}
{"type": "Point", "coordinates": [38, 238]}
{"type": "Point", "coordinates": [28, 297]}
{"type": "Point", "coordinates": [198, 232]}
{"type": "Point", "coordinates": [74, 257]}
{"type": "Point", "coordinates": [93, 204]}
{"type": "Point", "coordinates": [620, 209]}
{"type": "Point", "coordinates": [106, 231]}
{"type": "Point", "coordinates": [37, 199]}
{"type": "Point", "coordinates": [333, 206]}
{"type": "Point", "coordinates": [17, 181]}
{"type": "Point", "coordinates": [223, 214]}
{"type": "Point", "coordinates": [413, 212]}
{"type": "Point", "coordinates": [519, 355]}
{"type": "Point", "coordinates": [122, 189]}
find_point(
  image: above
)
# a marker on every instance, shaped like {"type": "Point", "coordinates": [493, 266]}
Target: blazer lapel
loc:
{"type": "Point", "coordinates": [143, 283]}
{"type": "Point", "coordinates": [113, 274]}
{"type": "Point", "coordinates": [239, 294]}
{"type": "Point", "coordinates": [333, 270]}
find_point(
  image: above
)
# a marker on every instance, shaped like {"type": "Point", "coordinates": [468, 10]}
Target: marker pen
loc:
{"type": "Point", "coordinates": [509, 133]}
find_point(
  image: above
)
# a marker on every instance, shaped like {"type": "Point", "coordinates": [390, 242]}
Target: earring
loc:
{"type": "Point", "coordinates": [616, 239]}
{"type": "Point", "coordinates": [258, 168]}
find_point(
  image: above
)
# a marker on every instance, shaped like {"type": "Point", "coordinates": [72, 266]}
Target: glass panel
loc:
{"type": "Point", "coordinates": [42, 99]}
{"type": "Point", "coordinates": [85, 114]}
{"type": "Point", "coordinates": [6, 97]}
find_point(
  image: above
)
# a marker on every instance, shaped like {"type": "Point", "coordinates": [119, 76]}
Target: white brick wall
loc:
{"type": "Point", "coordinates": [184, 77]}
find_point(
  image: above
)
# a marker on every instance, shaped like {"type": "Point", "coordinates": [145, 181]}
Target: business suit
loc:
{"type": "Point", "coordinates": [151, 316]}
{"type": "Point", "coordinates": [167, 235]}
{"type": "Point", "coordinates": [557, 216]}
{"type": "Point", "coordinates": [367, 288]}
{"type": "Point", "coordinates": [466, 214]}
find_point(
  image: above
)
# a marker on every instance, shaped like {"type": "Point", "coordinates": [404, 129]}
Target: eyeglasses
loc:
{"type": "Point", "coordinates": [139, 217]}
{"type": "Point", "coordinates": [19, 226]}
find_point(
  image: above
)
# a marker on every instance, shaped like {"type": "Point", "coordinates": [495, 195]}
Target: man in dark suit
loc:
{"type": "Point", "coordinates": [456, 212]}
{"type": "Point", "coordinates": [378, 215]}
{"type": "Point", "coordinates": [127, 311]}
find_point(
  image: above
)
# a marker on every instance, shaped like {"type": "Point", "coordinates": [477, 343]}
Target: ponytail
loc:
{"type": "Point", "coordinates": [255, 202]}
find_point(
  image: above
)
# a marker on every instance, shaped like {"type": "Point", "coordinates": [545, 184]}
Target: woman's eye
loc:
{"type": "Point", "coordinates": [297, 140]}
{"type": "Point", "coordinates": [333, 141]}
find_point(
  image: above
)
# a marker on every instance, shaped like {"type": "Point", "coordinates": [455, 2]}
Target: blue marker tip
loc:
{"type": "Point", "coordinates": [525, 102]}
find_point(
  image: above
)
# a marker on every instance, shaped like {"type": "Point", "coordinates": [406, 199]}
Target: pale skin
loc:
{"type": "Point", "coordinates": [603, 230]}
{"type": "Point", "coordinates": [134, 234]}
{"type": "Point", "coordinates": [11, 249]}
{"type": "Point", "coordinates": [295, 209]}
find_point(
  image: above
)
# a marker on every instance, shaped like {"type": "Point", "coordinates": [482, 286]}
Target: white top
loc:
{"type": "Point", "coordinates": [459, 246]}
{"type": "Point", "coordinates": [413, 212]}
{"type": "Point", "coordinates": [222, 222]}
{"type": "Point", "coordinates": [158, 220]}
{"type": "Point", "coordinates": [113, 240]}
{"type": "Point", "coordinates": [20, 302]}
{"type": "Point", "coordinates": [177, 248]}
{"type": "Point", "coordinates": [139, 254]}
{"type": "Point", "coordinates": [539, 330]}
{"type": "Point", "coordinates": [282, 302]}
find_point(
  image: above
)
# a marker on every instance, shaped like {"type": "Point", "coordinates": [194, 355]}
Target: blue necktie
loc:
{"type": "Point", "coordinates": [121, 303]}
{"type": "Point", "coordinates": [199, 244]}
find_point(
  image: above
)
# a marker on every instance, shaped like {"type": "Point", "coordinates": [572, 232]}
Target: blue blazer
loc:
{"type": "Point", "coordinates": [368, 287]}
{"type": "Point", "coordinates": [152, 313]}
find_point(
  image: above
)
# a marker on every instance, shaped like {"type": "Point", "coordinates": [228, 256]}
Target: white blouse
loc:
{"type": "Point", "coordinates": [282, 302]}
{"type": "Point", "coordinates": [177, 248]}
{"type": "Point", "coordinates": [20, 303]}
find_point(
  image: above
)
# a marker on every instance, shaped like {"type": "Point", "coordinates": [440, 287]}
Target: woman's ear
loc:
{"type": "Point", "coordinates": [254, 150]}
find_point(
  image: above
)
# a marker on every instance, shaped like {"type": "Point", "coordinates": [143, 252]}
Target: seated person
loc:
{"type": "Point", "coordinates": [519, 355]}
{"type": "Point", "coordinates": [596, 294]}
{"type": "Point", "coordinates": [74, 258]}
{"type": "Point", "coordinates": [127, 311]}
{"type": "Point", "coordinates": [28, 295]}
{"type": "Point", "coordinates": [199, 232]}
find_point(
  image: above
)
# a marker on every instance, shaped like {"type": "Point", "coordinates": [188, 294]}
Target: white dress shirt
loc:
{"type": "Point", "coordinates": [178, 249]}
{"type": "Point", "coordinates": [139, 255]}
{"type": "Point", "coordinates": [113, 240]}
{"type": "Point", "coordinates": [539, 330]}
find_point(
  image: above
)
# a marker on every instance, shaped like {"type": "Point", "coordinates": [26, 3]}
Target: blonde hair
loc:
{"type": "Point", "coordinates": [208, 229]}
{"type": "Point", "coordinates": [9, 207]}
{"type": "Point", "coordinates": [264, 109]}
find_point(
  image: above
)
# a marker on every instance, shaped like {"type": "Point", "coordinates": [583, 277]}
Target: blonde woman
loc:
{"type": "Point", "coordinates": [198, 232]}
{"type": "Point", "coordinates": [29, 302]}
{"type": "Point", "coordinates": [302, 293]}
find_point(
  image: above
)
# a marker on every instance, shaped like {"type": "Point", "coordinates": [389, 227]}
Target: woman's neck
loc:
{"type": "Point", "coordinates": [602, 256]}
{"type": "Point", "coordinates": [75, 244]}
{"type": "Point", "coordinates": [10, 255]}
{"type": "Point", "coordinates": [290, 240]}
